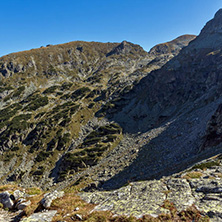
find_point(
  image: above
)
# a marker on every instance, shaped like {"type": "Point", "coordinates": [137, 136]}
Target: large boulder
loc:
{"type": "Point", "coordinates": [49, 197]}
{"type": "Point", "coordinates": [22, 204]}
{"type": "Point", "coordinates": [19, 194]}
{"type": "Point", "coordinates": [5, 199]}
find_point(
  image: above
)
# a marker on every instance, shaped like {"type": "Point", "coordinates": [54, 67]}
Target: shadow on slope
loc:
{"type": "Point", "coordinates": [174, 149]}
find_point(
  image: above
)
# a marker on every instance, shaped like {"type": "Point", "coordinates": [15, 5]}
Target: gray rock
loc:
{"type": "Point", "coordinates": [136, 199]}
{"type": "Point", "coordinates": [180, 193]}
{"type": "Point", "coordinates": [22, 204]}
{"type": "Point", "coordinates": [41, 217]}
{"type": "Point", "coordinates": [6, 200]}
{"type": "Point", "coordinates": [77, 217]}
{"type": "Point", "coordinates": [18, 194]}
{"type": "Point", "coordinates": [49, 197]}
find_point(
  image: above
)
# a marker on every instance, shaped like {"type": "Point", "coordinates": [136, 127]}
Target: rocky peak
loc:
{"type": "Point", "coordinates": [126, 47]}
{"type": "Point", "coordinates": [211, 35]}
{"type": "Point", "coordinates": [218, 14]}
{"type": "Point", "coordinates": [172, 47]}
{"type": "Point", "coordinates": [214, 25]}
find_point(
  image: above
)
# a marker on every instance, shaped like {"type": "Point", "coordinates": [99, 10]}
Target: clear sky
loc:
{"type": "Point", "coordinates": [27, 24]}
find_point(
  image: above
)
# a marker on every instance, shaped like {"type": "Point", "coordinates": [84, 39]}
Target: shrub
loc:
{"type": "Point", "coordinates": [193, 175]}
{"type": "Point", "coordinates": [50, 90]}
{"type": "Point", "coordinates": [80, 93]}
{"type": "Point", "coordinates": [19, 91]}
{"type": "Point", "coordinates": [37, 103]}
{"type": "Point", "coordinates": [33, 191]}
{"type": "Point", "coordinates": [42, 156]}
{"type": "Point", "coordinates": [206, 165]}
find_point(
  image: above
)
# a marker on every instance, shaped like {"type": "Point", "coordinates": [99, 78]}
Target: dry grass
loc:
{"type": "Point", "coordinates": [193, 175]}
{"type": "Point", "coordinates": [10, 188]}
{"type": "Point", "coordinates": [67, 209]}
{"type": "Point", "coordinates": [33, 191]}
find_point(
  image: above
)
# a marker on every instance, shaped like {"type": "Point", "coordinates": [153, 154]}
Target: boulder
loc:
{"type": "Point", "coordinates": [49, 197]}
{"type": "Point", "coordinates": [6, 200]}
{"type": "Point", "coordinates": [18, 194]}
{"type": "Point", "coordinates": [22, 204]}
{"type": "Point", "coordinates": [76, 217]}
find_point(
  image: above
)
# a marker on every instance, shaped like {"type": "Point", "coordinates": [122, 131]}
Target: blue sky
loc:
{"type": "Point", "coordinates": [27, 24]}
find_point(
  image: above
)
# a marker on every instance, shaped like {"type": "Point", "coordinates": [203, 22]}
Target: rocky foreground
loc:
{"type": "Point", "coordinates": [200, 186]}
{"type": "Point", "coordinates": [193, 194]}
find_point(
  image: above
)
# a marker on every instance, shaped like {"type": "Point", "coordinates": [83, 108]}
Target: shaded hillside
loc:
{"type": "Point", "coordinates": [193, 74]}
{"type": "Point", "coordinates": [173, 113]}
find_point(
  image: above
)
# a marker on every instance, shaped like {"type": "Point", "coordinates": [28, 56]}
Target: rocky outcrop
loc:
{"type": "Point", "coordinates": [137, 199]}
{"type": "Point", "coordinates": [49, 197]}
{"type": "Point", "coordinates": [41, 217]}
{"type": "Point", "coordinates": [173, 47]}
{"type": "Point", "coordinates": [6, 200]}
{"type": "Point", "coordinates": [200, 186]}
{"type": "Point", "coordinates": [16, 201]}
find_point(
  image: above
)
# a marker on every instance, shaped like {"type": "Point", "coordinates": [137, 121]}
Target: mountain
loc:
{"type": "Point", "coordinates": [52, 103]}
{"type": "Point", "coordinates": [173, 109]}
{"type": "Point", "coordinates": [102, 116]}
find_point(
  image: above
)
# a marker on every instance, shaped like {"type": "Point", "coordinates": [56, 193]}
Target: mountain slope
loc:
{"type": "Point", "coordinates": [53, 100]}
{"type": "Point", "coordinates": [171, 108]}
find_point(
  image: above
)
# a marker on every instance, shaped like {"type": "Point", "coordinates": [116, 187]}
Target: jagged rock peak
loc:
{"type": "Point", "coordinates": [214, 25]}
{"type": "Point", "coordinates": [218, 14]}
{"type": "Point", "coordinates": [125, 47]}
{"type": "Point", "coordinates": [210, 36]}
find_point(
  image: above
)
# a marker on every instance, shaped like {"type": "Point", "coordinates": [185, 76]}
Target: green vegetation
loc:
{"type": "Point", "coordinates": [42, 156]}
{"type": "Point", "coordinates": [193, 175]}
{"type": "Point", "coordinates": [10, 111]}
{"type": "Point", "coordinates": [33, 191]}
{"type": "Point", "coordinates": [206, 165]}
{"type": "Point", "coordinates": [63, 141]}
{"type": "Point", "coordinates": [91, 150]}
{"type": "Point", "coordinates": [19, 123]}
{"type": "Point", "coordinates": [18, 92]}
{"type": "Point", "coordinates": [80, 93]}
{"type": "Point", "coordinates": [66, 86]}
{"type": "Point", "coordinates": [37, 103]}
{"type": "Point", "coordinates": [51, 89]}
{"type": "Point", "coordinates": [2, 89]}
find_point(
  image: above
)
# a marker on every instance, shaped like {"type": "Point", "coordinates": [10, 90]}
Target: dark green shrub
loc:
{"type": "Point", "coordinates": [19, 91]}
{"type": "Point", "coordinates": [80, 93]}
{"type": "Point", "coordinates": [42, 156]}
{"type": "Point", "coordinates": [37, 103]}
{"type": "Point", "coordinates": [51, 89]}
